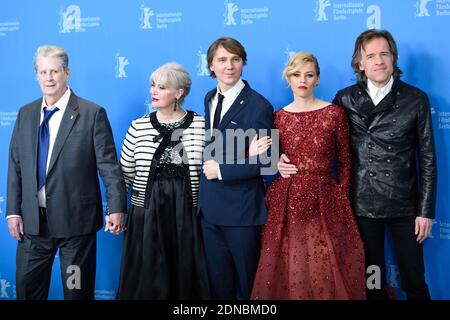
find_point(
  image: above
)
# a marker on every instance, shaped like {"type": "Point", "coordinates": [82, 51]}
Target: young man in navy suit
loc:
{"type": "Point", "coordinates": [231, 200]}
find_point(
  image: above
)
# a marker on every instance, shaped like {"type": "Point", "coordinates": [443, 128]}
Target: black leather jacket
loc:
{"type": "Point", "coordinates": [386, 141]}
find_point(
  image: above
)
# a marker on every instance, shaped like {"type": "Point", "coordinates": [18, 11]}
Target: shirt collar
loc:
{"type": "Point", "coordinates": [233, 92]}
{"type": "Point", "coordinates": [61, 103]}
{"type": "Point", "coordinates": [374, 90]}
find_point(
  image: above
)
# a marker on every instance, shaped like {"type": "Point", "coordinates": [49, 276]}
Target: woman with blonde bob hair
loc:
{"type": "Point", "coordinates": [161, 159]}
{"type": "Point", "coordinates": [311, 248]}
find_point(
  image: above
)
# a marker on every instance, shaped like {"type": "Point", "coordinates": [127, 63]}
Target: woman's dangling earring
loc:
{"type": "Point", "coordinates": [175, 104]}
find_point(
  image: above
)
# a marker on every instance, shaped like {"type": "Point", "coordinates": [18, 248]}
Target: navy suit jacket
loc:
{"type": "Point", "coordinates": [83, 148]}
{"type": "Point", "coordinates": [237, 199]}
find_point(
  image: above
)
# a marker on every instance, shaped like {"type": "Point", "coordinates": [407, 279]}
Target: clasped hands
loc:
{"type": "Point", "coordinates": [114, 223]}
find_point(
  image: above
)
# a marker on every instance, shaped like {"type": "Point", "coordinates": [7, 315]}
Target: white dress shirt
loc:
{"type": "Point", "coordinates": [229, 96]}
{"type": "Point", "coordinates": [53, 127]}
{"type": "Point", "coordinates": [377, 94]}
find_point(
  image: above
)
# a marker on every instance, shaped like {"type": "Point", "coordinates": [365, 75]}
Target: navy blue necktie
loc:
{"type": "Point", "coordinates": [44, 142]}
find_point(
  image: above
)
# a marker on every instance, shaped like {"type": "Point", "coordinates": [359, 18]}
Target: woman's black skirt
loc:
{"type": "Point", "coordinates": [163, 256]}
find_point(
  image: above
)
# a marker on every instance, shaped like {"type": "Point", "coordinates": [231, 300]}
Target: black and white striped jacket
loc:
{"type": "Point", "coordinates": [139, 147]}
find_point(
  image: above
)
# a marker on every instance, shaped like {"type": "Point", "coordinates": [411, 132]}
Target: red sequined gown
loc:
{"type": "Point", "coordinates": [311, 248]}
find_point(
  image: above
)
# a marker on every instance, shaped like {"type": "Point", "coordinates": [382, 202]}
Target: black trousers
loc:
{"type": "Point", "coordinates": [408, 251]}
{"type": "Point", "coordinates": [34, 260]}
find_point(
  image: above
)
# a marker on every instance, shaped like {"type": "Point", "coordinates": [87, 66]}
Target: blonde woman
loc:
{"type": "Point", "coordinates": [311, 248]}
{"type": "Point", "coordinates": [161, 160]}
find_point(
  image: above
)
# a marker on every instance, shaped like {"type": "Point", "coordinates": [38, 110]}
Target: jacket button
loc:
{"type": "Point", "coordinates": [372, 174]}
{"type": "Point", "coordinates": [368, 131]}
{"type": "Point", "coordinates": [389, 148]}
{"type": "Point", "coordinates": [363, 118]}
{"type": "Point", "coordinates": [370, 160]}
{"type": "Point", "coordinates": [387, 174]}
{"type": "Point", "coordinates": [370, 145]}
{"type": "Point", "coordinates": [394, 120]}
{"type": "Point", "coordinates": [388, 160]}
{"type": "Point", "coordinates": [391, 134]}
{"type": "Point", "coordinates": [396, 106]}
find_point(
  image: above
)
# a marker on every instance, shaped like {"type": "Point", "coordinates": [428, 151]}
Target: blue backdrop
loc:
{"type": "Point", "coordinates": [114, 46]}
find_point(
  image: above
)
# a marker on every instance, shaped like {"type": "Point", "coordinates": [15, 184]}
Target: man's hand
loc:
{"type": "Point", "coordinates": [423, 228]}
{"type": "Point", "coordinates": [259, 146]}
{"type": "Point", "coordinates": [15, 226]}
{"type": "Point", "coordinates": [115, 223]}
{"type": "Point", "coordinates": [286, 169]}
{"type": "Point", "coordinates": [211, 169]}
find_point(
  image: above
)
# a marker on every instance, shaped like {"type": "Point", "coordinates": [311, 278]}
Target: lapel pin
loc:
{"type": "Point", "coordinates": [242, 101]}
{"type": "Point", "coordinates": [71, 117]}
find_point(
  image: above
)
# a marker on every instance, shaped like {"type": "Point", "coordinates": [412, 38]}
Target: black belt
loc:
{"type": "Point", "coordinates": [172, 171]}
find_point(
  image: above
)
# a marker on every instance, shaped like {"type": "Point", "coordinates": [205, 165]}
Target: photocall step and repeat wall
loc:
{"type": "Point", "coordinates": [115, 45]}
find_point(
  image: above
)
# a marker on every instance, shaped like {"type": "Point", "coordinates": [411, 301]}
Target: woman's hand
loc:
{"type": "Point", "coordinates": [259, 146]}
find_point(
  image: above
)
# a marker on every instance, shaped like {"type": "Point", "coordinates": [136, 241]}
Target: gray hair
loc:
{"type": "Point", "coordinates": [174, 76]}
{"type": "Point", "coordinates": [48, 51]}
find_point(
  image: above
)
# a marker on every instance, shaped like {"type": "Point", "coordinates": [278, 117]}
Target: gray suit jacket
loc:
{"type": "Point", "coordinates": [83, 148]}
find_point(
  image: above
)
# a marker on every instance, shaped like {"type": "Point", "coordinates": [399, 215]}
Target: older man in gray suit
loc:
{"type": "Point", "coordinates": [59, 145]}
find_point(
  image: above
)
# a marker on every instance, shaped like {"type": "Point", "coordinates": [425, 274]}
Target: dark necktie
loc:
{"type": "Point", "coordinates": [218, 111]}
{"type": "Point", "coordinates": [44, 142]}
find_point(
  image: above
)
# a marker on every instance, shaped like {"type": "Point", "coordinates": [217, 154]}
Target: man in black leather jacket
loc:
{"type": "Point", "coordinates": [391, 129]}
